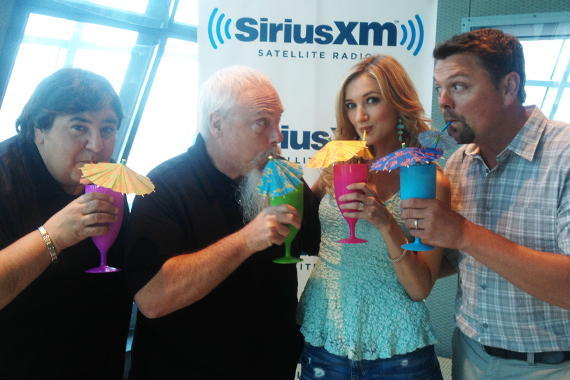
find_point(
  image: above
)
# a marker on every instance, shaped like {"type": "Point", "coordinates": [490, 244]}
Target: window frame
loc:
{"type": "Point", "coordinates": [141, 71]}
{"type": "Point", "coordinates": [473, 23]}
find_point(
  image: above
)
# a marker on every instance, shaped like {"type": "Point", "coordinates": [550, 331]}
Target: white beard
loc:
{"type": "Point", "coordinates": [251, 202]}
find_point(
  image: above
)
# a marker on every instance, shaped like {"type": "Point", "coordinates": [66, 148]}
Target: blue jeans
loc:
{"type": "Point", "coordinates": [319, 364]}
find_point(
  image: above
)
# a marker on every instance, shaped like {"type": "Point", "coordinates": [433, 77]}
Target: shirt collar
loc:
{"type": "Point", "coordinates": [214, 181]}
{"type": "Point", "coordinates": [45, 186]}
{"type": "Point", "coordinates": [525, 142]}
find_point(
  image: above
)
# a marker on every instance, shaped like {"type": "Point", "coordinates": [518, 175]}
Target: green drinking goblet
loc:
{"type": "Point", "coordinates": [295, 199]}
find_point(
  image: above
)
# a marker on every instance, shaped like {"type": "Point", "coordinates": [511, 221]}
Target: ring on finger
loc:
{"type": "Point", "coordinates": [416, 224]}
{"type": "Point", "coordinates": [361, 206]}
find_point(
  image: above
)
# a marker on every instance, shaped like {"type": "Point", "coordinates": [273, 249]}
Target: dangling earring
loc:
{"type": "Point", "coordinates": [400, 128]}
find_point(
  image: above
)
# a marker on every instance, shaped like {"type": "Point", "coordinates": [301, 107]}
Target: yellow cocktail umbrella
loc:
{"type": "Point", "coordinates": [340, 150]}
{"type": "Point", "coordinates": [118, 177]}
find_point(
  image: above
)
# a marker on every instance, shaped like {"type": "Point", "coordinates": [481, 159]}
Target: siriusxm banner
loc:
{"type": "Point", "coordinates": [305, 46]}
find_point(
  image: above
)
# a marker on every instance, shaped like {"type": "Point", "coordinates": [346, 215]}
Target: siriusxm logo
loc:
{"type": "Point", "coordinates": [301, 141]}
{"type": "Point", "coordinates": [309, 140]}
{"type": "Point", "coordinates": [339, 33]}
{"type": "Point", "coordinates": [218, 28]}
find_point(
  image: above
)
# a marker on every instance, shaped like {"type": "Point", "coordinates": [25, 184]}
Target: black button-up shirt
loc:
{"type": "Point", "coordinates": [67, 324]}
{"type": "Point", "coordinates": [245, 328]}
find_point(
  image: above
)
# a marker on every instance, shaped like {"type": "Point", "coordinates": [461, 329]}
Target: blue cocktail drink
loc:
{"type": "Point", "coordinates": [418, 181]}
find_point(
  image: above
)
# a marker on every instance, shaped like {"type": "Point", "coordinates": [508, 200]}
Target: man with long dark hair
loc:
{"type": "Point", "coordinates": [56, 321]}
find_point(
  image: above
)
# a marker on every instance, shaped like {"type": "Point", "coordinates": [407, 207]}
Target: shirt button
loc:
{"type": "Point", "coordinates": [483, 286]}
{"type": "Point", "coordinates": [485, 325]}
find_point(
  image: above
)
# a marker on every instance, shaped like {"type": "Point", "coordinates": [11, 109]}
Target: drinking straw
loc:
{"type": "Point", "coordinates": [443, 130]}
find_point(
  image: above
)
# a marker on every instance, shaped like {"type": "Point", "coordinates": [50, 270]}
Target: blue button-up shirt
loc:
{"type": "Point", "coordinates": [526, 199]}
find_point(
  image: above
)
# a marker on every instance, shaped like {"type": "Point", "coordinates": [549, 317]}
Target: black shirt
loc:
{"type": "Point", "coordinates": [245, 328]}
{"type": "Point", "coordinates": [67, 324]}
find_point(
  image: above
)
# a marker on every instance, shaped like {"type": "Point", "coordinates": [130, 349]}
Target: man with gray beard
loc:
{"type": "Point", "coordinates": [249, 198]}
{"type": "Point", "coordinates": [212, 304]}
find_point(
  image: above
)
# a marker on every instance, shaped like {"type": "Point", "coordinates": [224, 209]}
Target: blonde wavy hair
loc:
{"type": "Point", "coordinates": [396, 88]}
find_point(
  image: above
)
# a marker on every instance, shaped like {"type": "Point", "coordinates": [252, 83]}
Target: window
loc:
{"type": "Point", "coordinates": [545, 39]}
{"type": "Point", "coordinates": [146, 48]}
{"type": "Point", "coordinates": [168, 126]}
{"type": "Point", "coordinates": [51, 43]}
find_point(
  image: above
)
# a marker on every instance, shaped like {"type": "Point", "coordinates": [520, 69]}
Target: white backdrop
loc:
{"type": "Point", "coordinates": [305, 47]}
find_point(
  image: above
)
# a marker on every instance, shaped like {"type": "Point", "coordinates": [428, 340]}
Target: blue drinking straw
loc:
{"type": "Point", "coordinates": [443, 130]}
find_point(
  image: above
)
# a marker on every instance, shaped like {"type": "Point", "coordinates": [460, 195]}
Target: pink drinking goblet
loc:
{"type": "Point", "coordinates": [344, 175]}
{"type": "Point", "coordinates": [105, 241]}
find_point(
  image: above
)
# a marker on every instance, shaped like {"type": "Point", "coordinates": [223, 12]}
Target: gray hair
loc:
{"type": "Point", "coordinates": [221, 92]}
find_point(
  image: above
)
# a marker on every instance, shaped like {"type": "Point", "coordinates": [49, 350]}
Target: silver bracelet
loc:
{"type": "Point", "coordinates": [399, 258]}
{"type": "Point", "coordinates": [49, 244]}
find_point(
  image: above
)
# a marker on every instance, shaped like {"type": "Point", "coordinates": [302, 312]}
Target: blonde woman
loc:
{"type": "Point", "coordinates": [362, 311]}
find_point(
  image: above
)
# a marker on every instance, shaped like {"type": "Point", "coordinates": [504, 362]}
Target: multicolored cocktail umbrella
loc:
{"type": "Point", "coordinates": [406, 157]}
{"type": "Point", "coordinates": [439, 139]}
{"type": "Point", "coordinates": [340, 150]}
{"type": "Point", "coordinates": [279, 177]}
{"type": "Point", "coordinates": [118, 177]}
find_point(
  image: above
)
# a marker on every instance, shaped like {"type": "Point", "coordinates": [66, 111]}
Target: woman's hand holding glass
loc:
{"type": "Point", "coordinates": [373, 210]}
